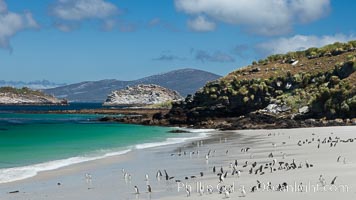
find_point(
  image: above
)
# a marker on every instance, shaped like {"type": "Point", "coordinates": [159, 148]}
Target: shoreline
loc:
{"type": "Point", "coordinates": [108, 181]}
{"type": "Point", "coordinates": [32, 170]}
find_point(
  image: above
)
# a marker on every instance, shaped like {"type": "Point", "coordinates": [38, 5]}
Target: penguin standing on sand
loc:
{"type": "Point", "coordinates": [149, 189]}
{"type": "Point", "coordinates": [221, 178]}
{"type": "Point", "coordinates": [159, 175]}
{"type": "Point", "coordinates": [187, 191]}
{"type": "Point", "coordinates": [243, 192]}
{"type": "Point", "coordinates": [136, 190]}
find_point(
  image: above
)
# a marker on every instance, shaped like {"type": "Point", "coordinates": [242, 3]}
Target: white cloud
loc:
{"type": "Point", "coordinates": [201, 24]}
{"type": "Point", "coordinates": [76, 10]}
{"type": "Point", "coordinates": [12, 23]}
{"type": "Point", "coordinates": [300, 42]}
{"type": "Point", "coordinates": [266, 17]}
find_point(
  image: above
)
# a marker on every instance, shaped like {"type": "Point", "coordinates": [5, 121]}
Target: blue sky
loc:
{"type": "Point", "coordinates": [69, 41]}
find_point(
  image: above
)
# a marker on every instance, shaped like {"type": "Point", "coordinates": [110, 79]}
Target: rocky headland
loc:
{"type": "Point", "coordinates": [26, 96]}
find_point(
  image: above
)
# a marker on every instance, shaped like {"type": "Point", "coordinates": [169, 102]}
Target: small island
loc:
{"type": "Point", "coordinates": [27, 96]}
{"type": "Point", "coordinates": [142, 95]}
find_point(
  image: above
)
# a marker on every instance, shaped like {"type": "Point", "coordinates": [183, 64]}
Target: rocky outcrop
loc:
{"type": "Point", "coordinates": [142, 95]}
{"type": "Point", "coordinates": [26, 96]}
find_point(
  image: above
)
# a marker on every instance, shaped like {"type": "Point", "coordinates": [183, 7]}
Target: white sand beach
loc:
{"type": "Point", "coordinates": [335, 157]}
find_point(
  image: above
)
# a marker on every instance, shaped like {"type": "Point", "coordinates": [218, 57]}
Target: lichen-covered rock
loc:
{"type": "Point", "coordinates": [141, 95]}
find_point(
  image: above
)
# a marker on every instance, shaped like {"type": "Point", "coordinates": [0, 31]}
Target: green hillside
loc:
{"type": "Point", "coordinates": [315, 83]}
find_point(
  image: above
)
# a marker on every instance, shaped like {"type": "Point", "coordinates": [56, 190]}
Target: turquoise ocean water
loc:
{"type": "Point", "coordinates": [30, 143]}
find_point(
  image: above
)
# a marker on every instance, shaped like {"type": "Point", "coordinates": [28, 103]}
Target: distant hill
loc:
{"type": "Point", "coordinates": [36, 85]}
{"type": "Point", "coordinates": [185, 81]}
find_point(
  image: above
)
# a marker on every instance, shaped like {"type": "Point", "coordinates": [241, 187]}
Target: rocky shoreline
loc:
{"type": "Point", "coordinates": [161, 117]}
{"type": "Point", "coordinates": [250, 121]}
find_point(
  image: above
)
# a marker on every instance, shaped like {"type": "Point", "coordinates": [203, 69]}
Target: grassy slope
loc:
{"type": "Point", "coordinates": [324, 79]}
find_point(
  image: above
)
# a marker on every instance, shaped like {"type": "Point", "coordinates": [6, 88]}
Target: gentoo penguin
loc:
{"type": "Point", "coordinates": [221, 178]}
{"type": "Point", "coordinates": [245, 165]}
{"type": "Point", "coordinates": [187, 190]}
{"type": "Point", "coordinates": [136, 190]}
{"type": "Point", "coordinates": [300, 187]}
{"type": "Point", "coordinates": [214, 169]}
{"type": "Point", "coordinates": [146, 177]}
{"type": "Point", "coordinates": [167, 177]}
{"type": "Point", "coordinates": [159, 175]}
{"type": "Point", "coordinates": [322, 180]}
{"type": "Point", "coordinates": [227, 193]}
{"type": "Point", "coordinates": [338, 159]}
{"type": "Point", "coordinates": [333, 181]}
{"type": "Point", "coordinates": [210, 190]}
{"type": "Point", "coordinates": [225, 175]}
{"type": "Point", "coordinates": [238, 173]}
{"type": "Point", "coordinates": [254, 189]}
{"type": "Point", "coordinates": [243, 192]}
{"type": "Point", "coordinates": [149, 189]}
{"type": "Point", "coordinates": [201, 190]}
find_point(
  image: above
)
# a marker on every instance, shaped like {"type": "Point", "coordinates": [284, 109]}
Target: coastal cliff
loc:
{"type": "Point", "coordinates": [142, 95]}
{"type": "Point", "coordinates": [315, 87]}
{"type": "Point", "coordinates": [26, 96]}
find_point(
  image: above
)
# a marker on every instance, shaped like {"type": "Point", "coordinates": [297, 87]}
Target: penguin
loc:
{"type": "Point", "coordinates": [136, 190]}
{"type": "Point", "coordinates": [159, 175]}
{"type": "Point", "coordinates": [149, 189]}
{"type": "Point", "coordinates": [214, 170]}
{"type": "Point", "coordinates": [210, 190]}
{"type": "Point", "coordinates": [322, 180]}
{"type": "Point", "coordinates": [166, 175]}
{"type": "Point", "coordinates": [201, 190]}
{"type": "Point", "coordinates": [225, 175]}
{"type": "Point", "coordinates": [338, 159]}
{"type": "Point", "coordinates": [333, 181]}
{"type": "Point", "coordinates": [243, 192]}
{"type": "Point", "coordinates": [227, 193]}
{"type": "Point", "coordinates": [187, 191]}
{"type": "Point", "coordinates": [221, 178]}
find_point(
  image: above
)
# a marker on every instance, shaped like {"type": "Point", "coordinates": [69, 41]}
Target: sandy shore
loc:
{"type": "Point", "coordinates": [179, 161]}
